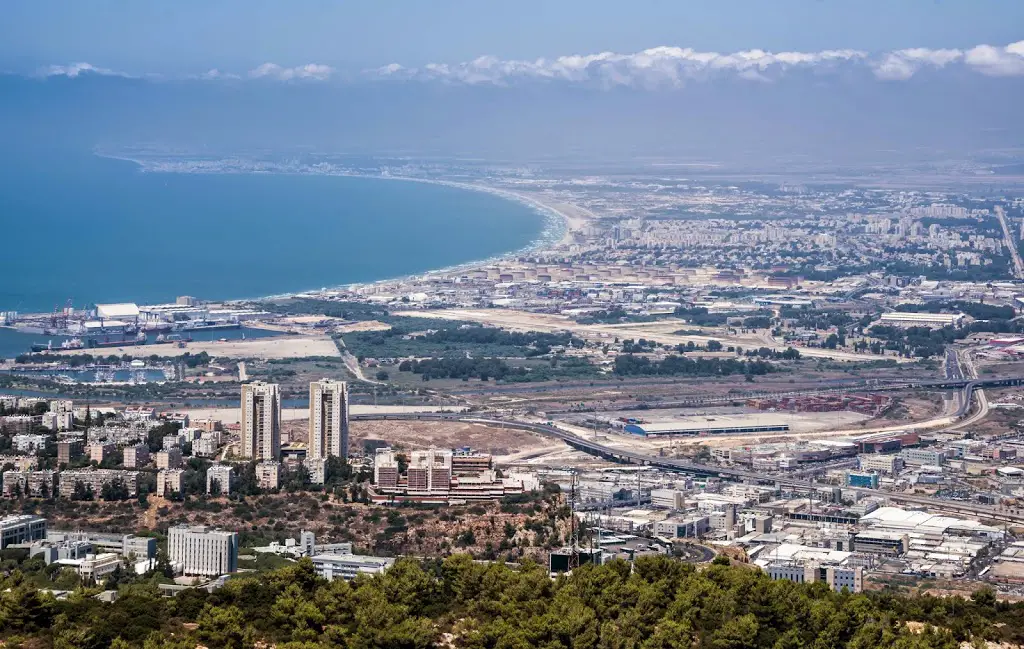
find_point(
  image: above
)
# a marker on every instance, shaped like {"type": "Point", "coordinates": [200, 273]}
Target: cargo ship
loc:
{"type": "Point", "coordinates": [124, 341]}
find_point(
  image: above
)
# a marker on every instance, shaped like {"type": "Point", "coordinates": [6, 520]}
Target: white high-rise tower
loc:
{"type": "Point", "coordinates": [328, 419]}
{"type": "Point", "coordinates": [261, 420]}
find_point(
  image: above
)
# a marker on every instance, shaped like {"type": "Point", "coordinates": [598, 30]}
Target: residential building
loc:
{"type": "Point", "coordinates": [169, 481]}
{"type": "Point", "coordinates": [29, 483]}
{"type": "Point", "coordinates": [328, 419]}
{"type": "Point", "coordinates": [96, 479]}
{"type": "Point", "coordinates": [317, 468]}
{"type": "Point", "coordinates": [200, 550]}
{"type": "Point", "coordinates": [219, 475]}
{"type": "Point", "coordinates": [385, 469]}
{"type": "Point", "coordinates": [168, 458]}
{"type": "Point", "coordinates": [100, 451]}
{"type": "Point", "coordinates": [19, 424]}
{"type": "Point", "coordinates": [29, 443]}
{"type": "Point", "coordinates": [261, 421]}
{"type": "Point", "coordinates": [68, 450]}
{"type": "Point", "coordinates": [205, 446]}
{"type": "Point", "coordinates": [22, 528]}
{"type": "Point", "coordinates": [58, 421]}
{"type": "Point", "coordinates": [268, 475]}
{"type": "Point", "coordinates": [347, 566]}
{"type": "Point", "coordinates": [136, 456]}
{"type": "Point", "coordinates": [19, 462]}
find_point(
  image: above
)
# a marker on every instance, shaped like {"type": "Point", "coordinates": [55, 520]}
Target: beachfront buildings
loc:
{"type": "Point", "coordinates": [261, 421]}
{"type": "Point", "coordinates": [328, 419]}
{"type": "Point", "coordinates": [200, 550]}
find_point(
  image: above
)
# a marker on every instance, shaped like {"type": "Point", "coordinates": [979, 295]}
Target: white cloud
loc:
{"type": "Point", "coordinates": [213, 74]}
{"type": "Point", "coordinates": [313, 71]}
{"type": "Point", "coordinates": [75, 69]}
{"type": "Point", "coordinates": [900, 65]}
{"type": "Point", "coordinates": [997, 61]}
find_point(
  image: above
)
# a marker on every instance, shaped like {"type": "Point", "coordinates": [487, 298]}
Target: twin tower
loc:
{"type": "Point", "coordinates": [328, 420]}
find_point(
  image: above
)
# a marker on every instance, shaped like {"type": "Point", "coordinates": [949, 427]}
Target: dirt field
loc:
{"type": "Point", "coordinates": [267, 348]}
{"type": "Point", "coordinates": [449, 434]}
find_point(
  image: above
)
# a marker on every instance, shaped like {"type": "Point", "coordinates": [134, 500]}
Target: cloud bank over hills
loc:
{"type": "Point", "coordinates": [751, 107]}
{"type": "Point", "coordinates": [658, 67]}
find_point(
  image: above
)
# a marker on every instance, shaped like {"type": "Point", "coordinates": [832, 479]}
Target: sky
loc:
{"type": "Point", "coordinates": [185, 36]}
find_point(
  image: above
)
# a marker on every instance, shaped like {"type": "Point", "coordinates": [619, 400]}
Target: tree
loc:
{"type": "Point", "coordinates": [82, 491]}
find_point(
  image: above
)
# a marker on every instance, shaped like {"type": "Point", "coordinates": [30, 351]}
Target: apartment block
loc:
{"type": "Point", "coordinates": [69, 450]}
{"type": "Point", "coordinates": [168, 458]}
{"type": "Point", "coordinates": [268, 475]}
{"type": "Point", "coordinates": [29, 483]}
{"type": "Point", "coordinates": [169, 481]}
{"type": "Point", "coordinates": [261, 421]}
{"type": "Point", "coordinates": [101, 451]}
{"type": "Point", "coordinates": [328, 419]}
{"type": "Point", "coordinates": [96, 479]}
{"type": "Point", "coordinates": [136, 456]}
{"type": "Point", "coordinates": [219, 474]}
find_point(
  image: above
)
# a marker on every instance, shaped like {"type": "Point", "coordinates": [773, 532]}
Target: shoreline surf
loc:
{"type": "Point", "coordinates": [557, 227]}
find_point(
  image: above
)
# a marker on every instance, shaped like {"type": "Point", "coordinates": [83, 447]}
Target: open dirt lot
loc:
{"type": "Point", "coordinates": [449, 434]}
{"type": "Point", "coordinates": [267, 348]}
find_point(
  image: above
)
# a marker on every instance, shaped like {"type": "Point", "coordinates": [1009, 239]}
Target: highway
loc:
{"type": "Point", "coordinates": [1018, 265]}
{"type": "Point", "coordinates": [685, 466]}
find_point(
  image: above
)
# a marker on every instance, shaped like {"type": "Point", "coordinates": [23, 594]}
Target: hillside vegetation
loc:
{"type": "Point", "coordinates": [456, 602]}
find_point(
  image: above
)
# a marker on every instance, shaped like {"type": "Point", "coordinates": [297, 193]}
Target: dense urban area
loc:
{"type": "Point", "coordinates": [746, 413]}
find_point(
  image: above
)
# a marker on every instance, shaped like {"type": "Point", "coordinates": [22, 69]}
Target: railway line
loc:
{"type": "Point", "coordinates": [612, 454]}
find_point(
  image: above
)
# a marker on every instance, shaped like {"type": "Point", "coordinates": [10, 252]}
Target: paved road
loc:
{"type": "Point", "coordinates": [1018, 265]}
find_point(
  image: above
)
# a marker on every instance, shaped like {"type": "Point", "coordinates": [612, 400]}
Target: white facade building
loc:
{"type": "Point", "coordinates": [200, 550]}
{"type": "Point", "coordinates": [328, 419]}
{"type": "Point", "coordinates": [261, 421]}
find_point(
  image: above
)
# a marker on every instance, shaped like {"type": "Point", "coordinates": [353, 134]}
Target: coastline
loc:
{"type": "Point", "coordinates": [557, 230]}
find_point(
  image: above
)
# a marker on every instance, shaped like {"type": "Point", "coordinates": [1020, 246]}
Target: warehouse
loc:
{"type": "Point", "coordinates": [706, 426]}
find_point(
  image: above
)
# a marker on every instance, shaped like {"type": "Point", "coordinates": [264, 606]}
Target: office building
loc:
{"type": "Point", "coordinates": [200, 550]}
{"type": "Point", "coordinates": [885, 464]}
{"type": "Point", "coordinates": [837, 577]}
{"type": "Point", "coordinates": [923, 456]}
{"type": "Point", "coordinates": [136, 456]}
{"type": "Point", "coordinates": [94, 567]}
{"type": "Point", "coordinates": [218, 479]}
{"type": "Point", "coordinates": [23, 528]}
{"type": "Point", "coordinates": [347, 566]}
{"type": "Point", "coordinates": [328, 419]}
{"type": "Point", "coordinates": [261, 421]}
{"type": "Point", "coordinates": [169, 481]}
{"type": "Point", "coordinates": [867, 480]}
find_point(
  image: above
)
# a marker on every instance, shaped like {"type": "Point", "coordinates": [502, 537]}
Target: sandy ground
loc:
{"type": "Point", "coordinates": [499, 442]}
{"type": "Point", "coordinates": [233, 415]}
{"type": "Point", "coordinates": [526, 321]}
{"type": "Point", "coordinates": [265, 348]}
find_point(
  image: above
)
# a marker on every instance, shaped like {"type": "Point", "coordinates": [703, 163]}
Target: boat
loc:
{"type": "Point", "coordinates": [73, 343]}
{"type": "Point", "coordinates": [40, 347]}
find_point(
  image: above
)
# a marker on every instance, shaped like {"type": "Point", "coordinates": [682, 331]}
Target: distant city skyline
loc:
{"type": "Point", "coordinates": [311, 39]}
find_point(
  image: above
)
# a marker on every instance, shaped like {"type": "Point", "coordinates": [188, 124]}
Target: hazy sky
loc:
{"type": "Point", "coordinates": [185, 35]}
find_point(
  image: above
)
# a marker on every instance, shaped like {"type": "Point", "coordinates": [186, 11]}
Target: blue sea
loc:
{"type": "Point", "coordinates": [92, 229]}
